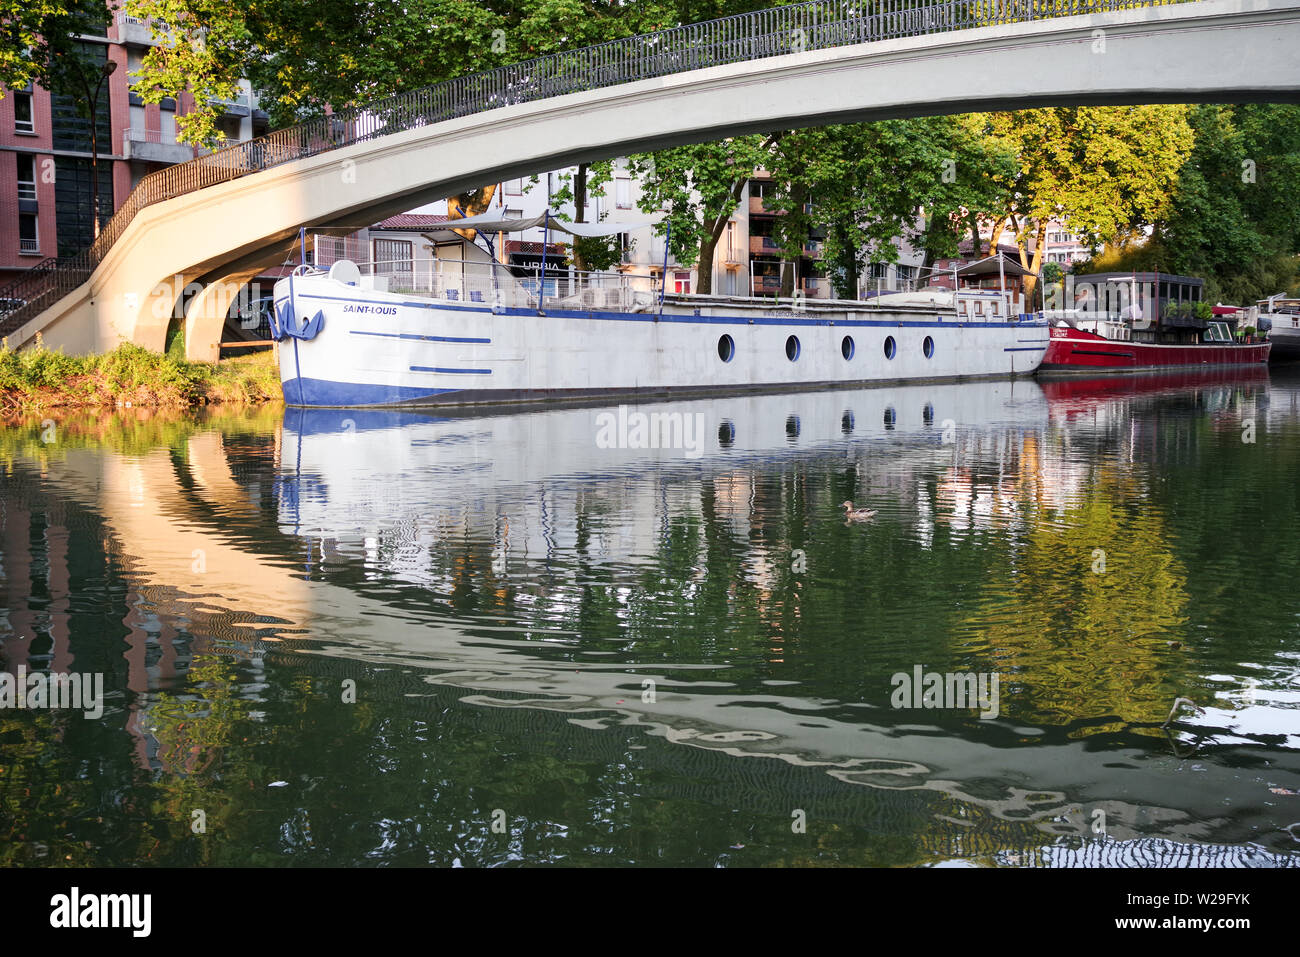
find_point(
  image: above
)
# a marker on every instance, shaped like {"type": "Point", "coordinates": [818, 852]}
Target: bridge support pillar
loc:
{"type": "Point", "coordinates": [205, 315]}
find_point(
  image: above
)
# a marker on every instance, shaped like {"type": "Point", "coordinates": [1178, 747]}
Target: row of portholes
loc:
{"type": "Point", "coordinates": [848, 348]}
{"type": "Point", "coordinates": [848, 423]}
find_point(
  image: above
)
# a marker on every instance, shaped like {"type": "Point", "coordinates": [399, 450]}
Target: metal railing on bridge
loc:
{"type": "Point", "coordinates": [762, 34]}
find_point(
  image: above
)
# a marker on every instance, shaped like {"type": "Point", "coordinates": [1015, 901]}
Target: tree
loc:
{"type": "Point", "coordinates": [868, 183]}
{"type": "Point", "coordinates": [588, 253]}
{"type": "Point", "coordinates": [39, 42]}
{"type": "Point", "coordinates": [1106, 170]}
{"type": "Point", "coordinates": [1235, 213]}
{"type": "Point", "coordinates": [697, 187]}
{"type": "Point", "coordinates": [305, 57]}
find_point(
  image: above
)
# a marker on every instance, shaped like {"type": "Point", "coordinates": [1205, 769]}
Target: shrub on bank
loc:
{"type": "Point", "coordinates": [40, 377]}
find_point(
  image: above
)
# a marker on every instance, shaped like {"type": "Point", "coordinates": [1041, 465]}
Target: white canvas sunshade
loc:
{"type": "Point", "coordinates": [489, 223]}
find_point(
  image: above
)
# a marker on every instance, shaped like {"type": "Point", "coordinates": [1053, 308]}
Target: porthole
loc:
{"type": "Point", "coordinates": [792, 348]}
{"type": "Point", "coordinates": [847, 347]}
{"type": "Point", "coordinates": [928, 347]}
{"type": "Point", "coordinates": [890, 347]}
{"type": "Point", "coordinates": [726, 348]}
{"type": "Point", "coordinates": [846, 422]}
{"type": "Point", "coordinates": [890, 417]}
{"type": "Point", "coordinates": [927, 414]}
{"type": "Point", "coordinates": [726, 434]}
{"type": "Point", "coordinates": [792, 427]}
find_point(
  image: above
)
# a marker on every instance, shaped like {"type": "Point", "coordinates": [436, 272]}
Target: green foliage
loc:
{"type": "Point", "coordinates": [867, 181]}
{"type": "Point", "coordinates": [697, 187]}
{"type": "Point", "coordinates": [38, 39]}
{"type": "Point", "coordinates": [1235, 214]}
{"type": "Point", "coordinates": [302, 55]}
{"type": "Point", "coordinates": [38, 377]}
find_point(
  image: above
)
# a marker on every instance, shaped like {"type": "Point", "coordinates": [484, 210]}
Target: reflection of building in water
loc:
{"type": "Point", "coordinates": [597, 544]}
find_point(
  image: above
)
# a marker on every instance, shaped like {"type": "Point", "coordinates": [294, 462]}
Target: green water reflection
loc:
{"type": "Point", "coordinates": [363, 638]}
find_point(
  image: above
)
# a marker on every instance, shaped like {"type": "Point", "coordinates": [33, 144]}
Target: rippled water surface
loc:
{"type": "Point", "coordinates": [364, 638]}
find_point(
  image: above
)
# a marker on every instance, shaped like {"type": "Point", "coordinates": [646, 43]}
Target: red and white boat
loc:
{"type": "Point", "coordinates": [1129, 322]}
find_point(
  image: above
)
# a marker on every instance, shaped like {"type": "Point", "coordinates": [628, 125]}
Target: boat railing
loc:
{"type": "Point", "coordinates": [512, 286]}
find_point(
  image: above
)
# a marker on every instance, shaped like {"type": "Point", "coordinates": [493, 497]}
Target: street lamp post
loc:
{"type": "Point", "coordinates": [93, 100]}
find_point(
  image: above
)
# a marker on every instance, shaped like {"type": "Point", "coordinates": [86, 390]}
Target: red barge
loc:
{"type": "Point", "coordinates": [1130, 322]}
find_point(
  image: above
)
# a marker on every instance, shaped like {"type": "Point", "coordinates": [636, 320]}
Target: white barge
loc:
{"type": "Point", "coordinates": [464, 333]}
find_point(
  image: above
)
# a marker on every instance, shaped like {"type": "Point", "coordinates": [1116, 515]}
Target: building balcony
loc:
{"type": "Point", "coordinates": [757, 207]}
{"type": "Point", "coordinates": [763, 246]}
{"type": "Point", "coordinates": [133, 31]}
{"type": "Point", "coordinates": [238, 105]}
{"type": "Point", "coordinates": [224, 143]}
{"type": "Point", "coordinates": [766, 285]}
{"type": "Point", "coordinates": [149, 146]}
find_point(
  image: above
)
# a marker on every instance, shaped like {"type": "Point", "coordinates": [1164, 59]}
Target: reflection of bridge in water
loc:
{"type": "Point", "coordinates": [396, 502]}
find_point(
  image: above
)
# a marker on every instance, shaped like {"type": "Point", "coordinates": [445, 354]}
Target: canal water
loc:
{"type": "Point", "coordinates": [379, 638]}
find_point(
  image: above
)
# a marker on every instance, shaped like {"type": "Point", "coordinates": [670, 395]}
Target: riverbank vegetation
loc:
{"type": "Point", "coordinates": [130, 376]}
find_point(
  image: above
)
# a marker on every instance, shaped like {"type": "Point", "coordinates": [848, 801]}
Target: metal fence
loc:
{"type": "Point", "coordinates": [511, 286]}
{"type": "Point", "coordinates": [816, 25]}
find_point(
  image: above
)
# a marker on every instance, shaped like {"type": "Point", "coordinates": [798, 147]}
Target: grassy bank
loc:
{"type": "Point", "coordinates": [38, 378]}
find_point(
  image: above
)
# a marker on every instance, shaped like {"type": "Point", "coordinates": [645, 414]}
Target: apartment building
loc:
{"type": "Point", "coordinates": [45, 148]}
{"type": "Point", "coordinates": [1063, 246]}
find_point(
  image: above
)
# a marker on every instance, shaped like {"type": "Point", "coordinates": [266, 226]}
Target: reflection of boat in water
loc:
{"type": "Point", "coordinates": [424, 500]}
{"type": "Point", "coordinates": [474, 332]}
{"type": "Point", "coordinates": [527, 658]}
{"type": "Point", "coordinates": [371, 460]}
{"type": "Point", "coordinates": [1083, 388]}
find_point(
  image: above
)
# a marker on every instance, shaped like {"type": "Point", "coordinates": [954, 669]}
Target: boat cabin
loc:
{"type": "Point", "coordinates": [1148, 307]}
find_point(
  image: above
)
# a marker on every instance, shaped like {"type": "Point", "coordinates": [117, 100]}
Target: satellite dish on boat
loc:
{"type": "Point", "coordinates": [346, 271]}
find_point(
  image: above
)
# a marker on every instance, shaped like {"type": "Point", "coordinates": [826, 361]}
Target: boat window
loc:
{"type": "Point", "coordinates": [927, 347]}
{"type": "Point", "coordinates": [890, 347]}
{"type": "Point", "coordinates": [847, 347]}
{"type": "Point", "coordinates": [726, 348]}
{"type": "Point", "coordinates": [792, 348]}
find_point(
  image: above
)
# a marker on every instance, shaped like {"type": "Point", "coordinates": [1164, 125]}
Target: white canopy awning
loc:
{"type": "Point", "coordinates": [491, 223]}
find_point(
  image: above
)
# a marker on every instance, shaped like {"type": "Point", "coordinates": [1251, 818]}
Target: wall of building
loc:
{"type": "Point", "coordinates": [134, 139]}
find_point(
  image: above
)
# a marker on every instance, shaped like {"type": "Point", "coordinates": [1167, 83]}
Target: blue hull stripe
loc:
{"type": "Point", "coordinates": [451, 371]}
{"type": "Point", "coordinates": [334, 421]}
{"type": "Point", "coordinates": [411, 335]}
{"type": "Point", "coordinates": [322, 392]}
{"type": "Point", "coordinates": [1024, 349]}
